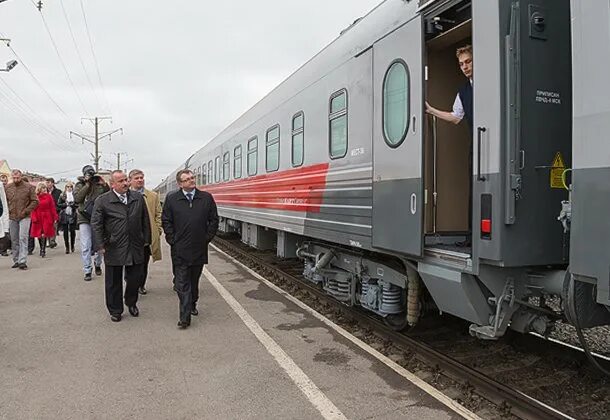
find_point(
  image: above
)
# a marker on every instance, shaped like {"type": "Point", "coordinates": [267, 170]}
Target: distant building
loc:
{"type": "Point", "coordinates": [4, 168]}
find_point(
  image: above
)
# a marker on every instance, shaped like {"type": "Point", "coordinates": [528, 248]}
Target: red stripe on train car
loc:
{"type": "Point", "coordinates": [294, 190]}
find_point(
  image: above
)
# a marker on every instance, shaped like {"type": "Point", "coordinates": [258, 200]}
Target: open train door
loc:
{"type": "Point", "coordinates": [398, 187]}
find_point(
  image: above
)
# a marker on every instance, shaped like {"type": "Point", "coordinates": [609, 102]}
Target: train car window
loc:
{"type": "Point", "coordinates": [217, 169]}
{"type": "Point", "coordinates": [237, 162]}
{"type": "Point", "coordinates": [396, 103]}
{"type": "Point", "coordinates": [210, 172]}
{"type": "Point", "coordinates": [204, 172]}
{"type": "Point", "coordinates": [252, 156]}
{"type": "Point", "coordinates": [226, 169]}
{"type": "Point", "coordinates": [272, 145]}
{"type": "Point", "coordinates": [298, 138]}
{"type": "Point", "coordinates": [337, 131]}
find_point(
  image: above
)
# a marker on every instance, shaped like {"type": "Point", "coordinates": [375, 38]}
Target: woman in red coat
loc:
{"type": "Point", "coordinates": [43, 217]}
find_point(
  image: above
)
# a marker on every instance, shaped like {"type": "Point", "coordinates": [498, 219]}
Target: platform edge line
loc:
{"type": "Point", "coordinates": [316, 397]}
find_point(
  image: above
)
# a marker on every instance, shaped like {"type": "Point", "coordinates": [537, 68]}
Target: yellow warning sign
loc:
{"type": "Point", "coordinates": [557, 171]}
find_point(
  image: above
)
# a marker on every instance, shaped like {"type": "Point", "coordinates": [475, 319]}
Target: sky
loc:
{"type": "Point", "coordinates": [172, 74]}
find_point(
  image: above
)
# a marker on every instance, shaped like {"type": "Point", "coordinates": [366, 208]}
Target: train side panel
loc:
{"type": "Point", "coordinates": [590, 228]}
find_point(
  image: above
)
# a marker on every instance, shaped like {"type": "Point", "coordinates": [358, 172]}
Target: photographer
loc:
{"type": "Point", "coordinates": [87, 189]}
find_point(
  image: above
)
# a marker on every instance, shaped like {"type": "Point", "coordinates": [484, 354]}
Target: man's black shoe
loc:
{"type": "Point", "coordinates": [194, 311]}
{"type": "Point", "coordinates": [4, 253]}
{"type": "Point", "coordinates": [23, 266]}
{"type": "Point", "coordinates": [88, 277]}
{"type": "Point", "coordinates": [16, 265]}
{"type": "Point", "coordinates": [142, 290]}
{"type": "Point", "coordinates": [115, 318]}
{"type": "Point", "coordinates": [133, 310]}
{"type": "Point", "coordinates": [183, 325]}
{"type": "Point", "coordinates": [98, 270]}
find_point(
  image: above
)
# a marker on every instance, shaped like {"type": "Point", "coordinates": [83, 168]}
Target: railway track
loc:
{"type": "Point", "coordinates": [521, 376]}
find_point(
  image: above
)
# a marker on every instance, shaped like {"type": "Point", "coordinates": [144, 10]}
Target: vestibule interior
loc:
{"type": "Point", "coordinates": [447, 146]}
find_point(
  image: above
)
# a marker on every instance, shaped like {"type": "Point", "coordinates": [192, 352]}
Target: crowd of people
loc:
{"type": "Point", "coordinates": [120, 225]}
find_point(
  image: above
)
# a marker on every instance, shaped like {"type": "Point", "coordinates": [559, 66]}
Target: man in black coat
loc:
{"type": "Point", "coordinates": [190, 222]}
{"type": "Point", "coordinates": [121, 230]}
{"type": "Point", "coordinates": [55, 193]}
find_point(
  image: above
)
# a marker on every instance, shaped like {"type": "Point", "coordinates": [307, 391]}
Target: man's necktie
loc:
{"type": "Point", "coordinates": [190, 198]}
{"type": "Point", "coordinates": [123, 198]}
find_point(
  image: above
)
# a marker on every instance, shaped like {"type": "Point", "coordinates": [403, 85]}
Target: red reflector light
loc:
{"type": "Point", "coordinates": [486, 226]}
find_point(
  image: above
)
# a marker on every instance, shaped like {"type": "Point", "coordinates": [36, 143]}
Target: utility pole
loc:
{"type": "Point", "coordinates": [96, 139]}
{"type": "Point", "coordinates": [118, 160]}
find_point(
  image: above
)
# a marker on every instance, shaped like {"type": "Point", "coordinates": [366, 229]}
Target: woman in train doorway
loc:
{"type": "Point", "coordinates": [43, 217]}
{"type": "Point", "coordinates": [67, 216]}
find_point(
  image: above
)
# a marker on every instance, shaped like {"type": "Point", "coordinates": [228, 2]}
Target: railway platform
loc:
{"type": "Point", "coordinates": [253, 352]}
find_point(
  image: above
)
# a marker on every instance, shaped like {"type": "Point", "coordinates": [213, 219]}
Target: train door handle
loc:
{"type": "Point", "coordinates": [480, 131]}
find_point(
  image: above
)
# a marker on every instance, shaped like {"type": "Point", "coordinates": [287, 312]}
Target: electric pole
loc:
{"type": "Point", "coordinates": [118, 160]}
{"type": "Point", "coordinates": [95, 140]}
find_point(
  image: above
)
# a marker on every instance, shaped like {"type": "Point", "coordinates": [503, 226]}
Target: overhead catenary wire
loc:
{"type": "Point", "coordinates": [80, 58]}
{"type": "Point", "coordinates": [38, 83]}
{"type": "Point", "coordinates": [63, 64]}
{"type": "Point", "coordinates": [32, 123]}
{"type": "Point", "coordinates": [30, 109]}
{"type": "Point", "coordinates": [97, 66]}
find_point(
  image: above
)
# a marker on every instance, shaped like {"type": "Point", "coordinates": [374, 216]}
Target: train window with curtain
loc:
{"type": "Point", "coordinates": [272, 146]}
{"type": "Point", "coordinates": [210, 172]}
{"type": "Point", "coordinates": [337, 130]}
{"type": "Point", "coordinates": [237, 162]}
{"type": "Point", "coordinates": [226, 166]}
{"type": "Point", "coordinates": [298, 138]}
{"type": "Point", "coordinates": [252, 156]}
{"type": "Point", "coordinates": [217, 169]}
{"type": "Point", "coordinates": [204, 174]}
{"type": "Point", "coordinates": [396, 103]}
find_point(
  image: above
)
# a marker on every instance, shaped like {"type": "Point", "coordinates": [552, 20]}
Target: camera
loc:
{"type": "Point", "coordinates": [89, 173]}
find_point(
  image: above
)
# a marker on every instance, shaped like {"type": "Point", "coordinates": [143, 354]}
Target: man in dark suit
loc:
{"type": "Point", "coordinates": [121, 230]}
{"type": "Point", "coordinates": [190, 222]}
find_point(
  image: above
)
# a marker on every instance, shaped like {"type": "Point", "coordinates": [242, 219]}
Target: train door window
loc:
{"type": "Point", "coordinates": [210, 172]}
{"type": "Point", "coordinates": [298, 138]}
{"type": "Point", "coordinates": [396, 103]}
{"type": "Point", "coordinates": [226, 169]}
{"type": "Point", "coordinates": [237, 162]}
{"type": "Point", "coordinates": [272, 152]}
{"type": "Point", "coordinates": [338, 124]}
{"type": "Point", "coordinates": [252, 156]}
{"type": "Point", "coordinates": [217, 169]}
{"type": "Point", "coordinates": [203, 175]}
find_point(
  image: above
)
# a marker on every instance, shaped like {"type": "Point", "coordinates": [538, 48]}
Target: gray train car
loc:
{"type": "Point", "coordinates": [588, 292]}
{"type": "Point", "coordinates": [397, 212]}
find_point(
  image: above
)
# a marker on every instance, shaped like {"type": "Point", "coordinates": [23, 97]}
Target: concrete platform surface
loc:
{"type": "Point", "coordinates": [252, 353]}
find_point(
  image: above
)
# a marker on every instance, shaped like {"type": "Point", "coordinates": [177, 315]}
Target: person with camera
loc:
{"type": "Point", "coordinates": [88, 188]}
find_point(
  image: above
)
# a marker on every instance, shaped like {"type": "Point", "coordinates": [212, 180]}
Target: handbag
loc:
{"type": "Point", "coordinates": [87, 210]}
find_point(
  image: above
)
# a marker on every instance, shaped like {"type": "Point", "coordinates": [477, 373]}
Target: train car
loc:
{"type": "Point", "coordinates": [397, 212]}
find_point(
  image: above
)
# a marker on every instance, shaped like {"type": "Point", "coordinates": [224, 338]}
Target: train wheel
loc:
{"type": "Point", "coordinates": [397, 322]}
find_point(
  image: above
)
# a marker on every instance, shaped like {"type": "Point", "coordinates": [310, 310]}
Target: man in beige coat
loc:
{"type": "Point", "coordinates": [153, 204]}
